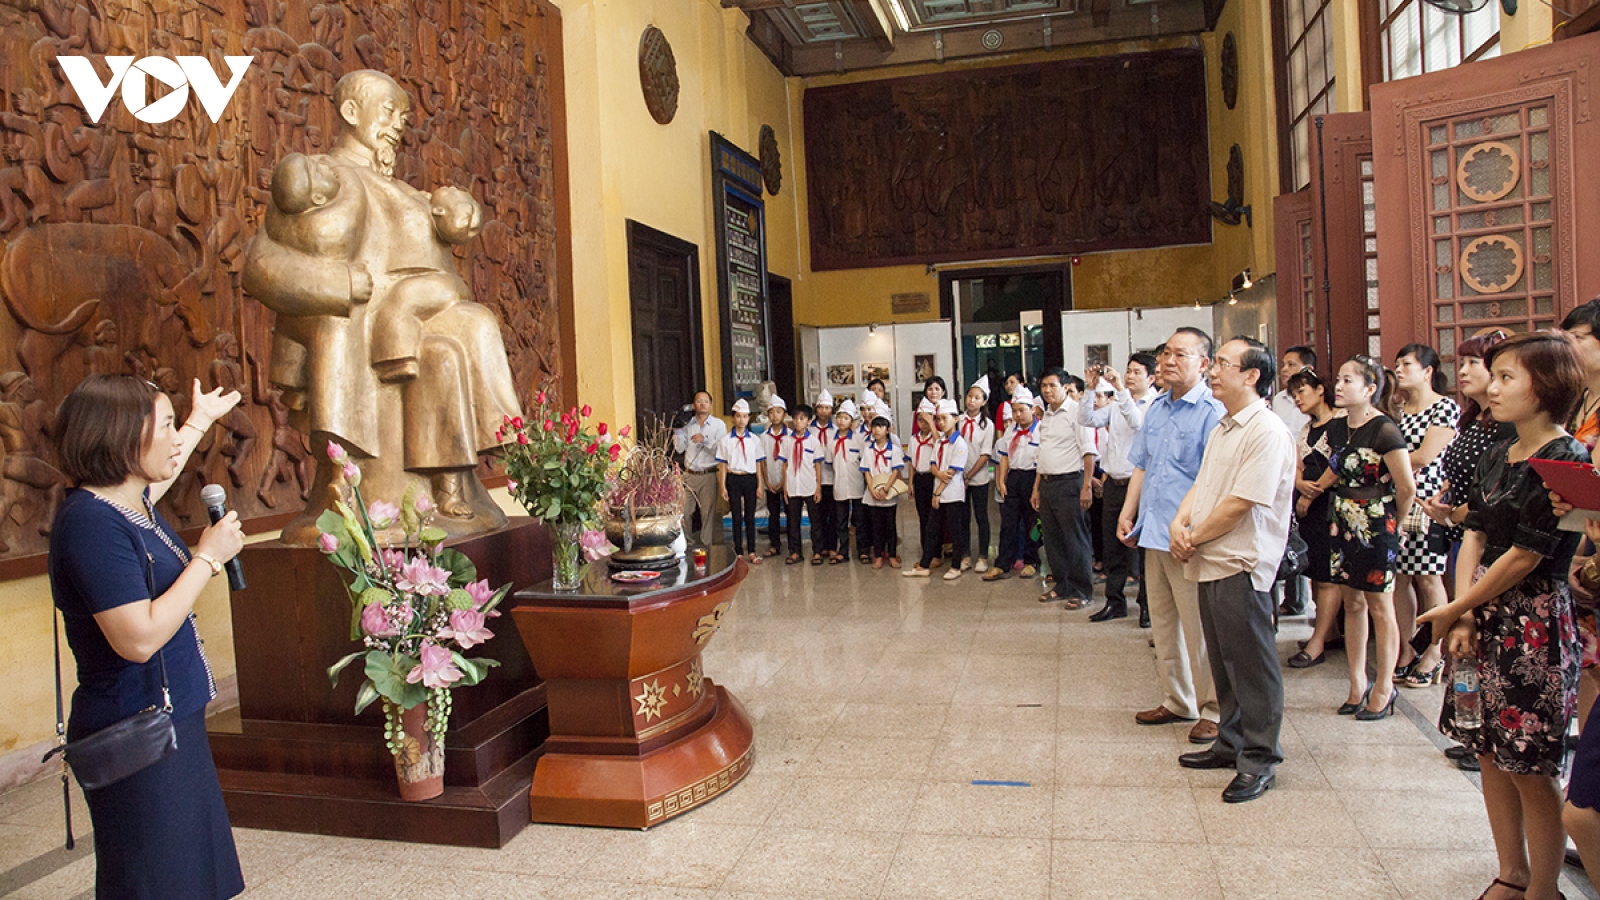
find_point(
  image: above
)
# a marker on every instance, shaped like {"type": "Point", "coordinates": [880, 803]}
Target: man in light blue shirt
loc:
{"type": "Point", "coordinates": [1166, 458]}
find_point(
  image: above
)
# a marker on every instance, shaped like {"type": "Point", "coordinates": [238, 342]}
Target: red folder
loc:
{"type": "Point", "coordinates": [1578, 483]}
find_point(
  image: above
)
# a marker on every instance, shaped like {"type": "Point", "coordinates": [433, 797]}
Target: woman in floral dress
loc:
{"type": "Point", "coordinates": [1370, 474]}
{"type": "Point", "coordinates": [1513, 612]}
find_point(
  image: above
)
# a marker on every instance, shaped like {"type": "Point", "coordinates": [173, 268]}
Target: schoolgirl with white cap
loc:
{"type": "Point", "coordinates": [978, 431]}
{"type": "Point", "coordinates": [823, 541]}
{"type": "Point", "coordinates": [771, 471]}
{"type": "Point", "coordinates": [849, 484]}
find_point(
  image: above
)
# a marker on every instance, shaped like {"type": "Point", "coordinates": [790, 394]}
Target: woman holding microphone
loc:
{"type": "Point", "coordinates": [126, 587]}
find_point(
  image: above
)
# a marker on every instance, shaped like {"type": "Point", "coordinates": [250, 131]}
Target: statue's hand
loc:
{"type": "Point", "coordinates": [360, 284]}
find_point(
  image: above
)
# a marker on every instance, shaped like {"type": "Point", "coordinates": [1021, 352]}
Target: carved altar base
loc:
{"type": "Point", "coordinates": [295, 757]}
{"type": "Point", "coordinates": [638, 734]}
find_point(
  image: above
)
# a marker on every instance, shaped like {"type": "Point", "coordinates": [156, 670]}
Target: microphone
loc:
{"type": "Point", "coordinates": [216, 501]}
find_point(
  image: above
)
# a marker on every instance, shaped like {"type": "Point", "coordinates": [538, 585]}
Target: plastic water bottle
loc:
{"type": "Point", "coordinates": [1469, 704]}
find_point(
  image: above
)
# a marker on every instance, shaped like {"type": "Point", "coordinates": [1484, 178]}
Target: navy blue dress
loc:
{"type": "Point", "coordinates": [163, 832]}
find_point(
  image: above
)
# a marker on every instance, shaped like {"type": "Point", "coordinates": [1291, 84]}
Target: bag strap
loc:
{"type": "Point", "coordinates": [61, 732]}
{"type": "Point", "coordinates": [161, 655]}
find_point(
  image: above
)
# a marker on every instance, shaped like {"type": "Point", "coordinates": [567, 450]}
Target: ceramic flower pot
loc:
{"type": "Point", "coordinates": [419, 762]}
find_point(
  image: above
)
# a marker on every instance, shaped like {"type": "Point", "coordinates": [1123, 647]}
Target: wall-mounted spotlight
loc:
{"type": "Point", "coordinates": [873, 328]}
{"type": "Point", "coordinates": [1233, 299]}
{"type": "Point", "coordinates": [1248, 283]}
{"type": "Point", "coordinates": [1197, 303]}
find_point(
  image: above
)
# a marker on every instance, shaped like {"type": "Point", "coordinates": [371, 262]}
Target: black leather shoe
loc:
{"type": "Point", "coordinates": [1247, 786]}
{"type": "Point", "coordinates": [1204, 759]}
{"type": "Point", "coordinates": [1144, 617]}
{"type": "Point", "coordinates": [1108, 613]}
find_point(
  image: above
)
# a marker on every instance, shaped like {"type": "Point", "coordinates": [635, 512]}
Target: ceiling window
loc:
{"type": "Point", "coordinates": [1415, 37]}
{"type": "Point", "coordinates": [1304, 40]}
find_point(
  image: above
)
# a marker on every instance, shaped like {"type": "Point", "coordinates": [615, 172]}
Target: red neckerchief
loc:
{"type": "Point", "coordinates": [822, 434]}
{"type": "Point", "coordinates": [916, 458]}
{"type": "Point", "coordinates": [741, 438]}
{"type": "Point", "coordinates": [969, 424]}
{"type": "Point", "coordinates": [799, 449]}
{"type": "Point", "coordinates": [838, 445]}
{"type": "Point", "coordinates": [939, 462]}
{"type": "Point", "coordinates": [882, 453]}
{"type": "Point", "coordinates": [1017, 433]}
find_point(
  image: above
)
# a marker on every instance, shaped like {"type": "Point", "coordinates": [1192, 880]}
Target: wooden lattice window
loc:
{"type": "Point", "coordinates": [1311, 334]}
{"type": "Point", "coordinates": [1369, 256]}
{"type": "Point", "coordinates": [1492, 216]}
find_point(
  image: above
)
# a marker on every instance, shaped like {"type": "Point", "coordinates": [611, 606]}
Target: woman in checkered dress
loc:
{"type": "Point", "coordinates": [1428, 421]}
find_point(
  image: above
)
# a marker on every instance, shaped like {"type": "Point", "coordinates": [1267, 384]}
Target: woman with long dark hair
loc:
{"type": "Point", "coordinates": [1370, 472]}
{"type": "Point", "coordinates": [1512, 613]}
{"type": "Point", "coordinates": [1314, 397]}
{"type": "Point", "coordinates": [1428, 423]}
{"type": "Point", "coordinates": [126, 587]}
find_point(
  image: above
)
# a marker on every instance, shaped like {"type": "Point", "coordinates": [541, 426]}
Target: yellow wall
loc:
{"type": "Point", "coordinates": [626, 166]}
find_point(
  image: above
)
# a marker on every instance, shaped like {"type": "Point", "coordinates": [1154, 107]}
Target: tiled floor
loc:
{"type": "Point", "coordinates": [878, 701]}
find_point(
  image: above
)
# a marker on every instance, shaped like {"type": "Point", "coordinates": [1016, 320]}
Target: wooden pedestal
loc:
{"type": "Point", "coordinates": [297, 758]}
{"type": "Point", "coordinates": [638, 734]}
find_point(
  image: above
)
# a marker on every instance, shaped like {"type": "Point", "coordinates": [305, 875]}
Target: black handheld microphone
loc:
{"type": "Point", "coordinates": [216, 501]}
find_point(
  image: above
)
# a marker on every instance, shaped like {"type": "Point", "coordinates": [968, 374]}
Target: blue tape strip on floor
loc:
{"type": "Point", "coordinates": [983, 782]}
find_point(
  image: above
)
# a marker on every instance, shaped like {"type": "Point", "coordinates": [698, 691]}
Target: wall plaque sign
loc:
{"type": "Point", "coordinates": [658, 75]}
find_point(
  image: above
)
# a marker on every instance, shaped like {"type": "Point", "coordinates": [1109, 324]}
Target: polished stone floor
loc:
{"type": "Point", "coordinates": [880, 704]}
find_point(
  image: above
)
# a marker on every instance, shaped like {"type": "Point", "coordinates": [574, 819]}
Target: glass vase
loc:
{"type": "Point", "coordinates": [566, 555]}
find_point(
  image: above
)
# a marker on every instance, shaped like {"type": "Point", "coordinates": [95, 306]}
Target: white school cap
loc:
{"type": "Point", "coordinates": [927, 406]}
{"type": "Point", "coordinates": [824, 399]}
{"type": "Point", "coordinates": [847, 408]}
{"type": "Point", "coordinates": [982, 384]}
{"type": "Point", "coordinates": [741, 406]}
{"type": "Point", "coordinates": [946, 407]}
{"type": "Point", "coordinates": [777, 403]}
{"type": "Point", "coordinates": [1022, 395]}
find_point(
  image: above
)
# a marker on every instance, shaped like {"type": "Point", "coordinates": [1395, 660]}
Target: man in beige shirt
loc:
{"type": "Point", "coordinates": [1230, 533]}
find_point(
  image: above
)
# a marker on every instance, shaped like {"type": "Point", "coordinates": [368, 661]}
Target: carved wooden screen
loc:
{"type": "Point", "coordinates": [1341, 202]}
{"type": "Point", "coordinates": [121, 242]}
{"type": "Point", "coordinates": [1298, 283]}
{"type": "Point", "coordinates": [1485, 195]}
{"type": "Point", "coordinates": [1050, 158]}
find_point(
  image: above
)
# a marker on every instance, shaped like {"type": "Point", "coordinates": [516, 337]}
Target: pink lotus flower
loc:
{"type": "Point", "coordinates": [437, 669]}
{"type": "Point", "coordinates": [424, 504]}
{"type": "Point", "coordinates": [382, 513]}
{"type": "Point", "coordinates": [480, 592]}
{"type": "Point", "coordinates": [594, 544]}
{"type": "Point", "coordinates": [511, 485]}
{"type": "Point", "coordinates": [418, 576]}
{"type": "Point", "coordinates": [466, 626]}
{"type": "Point", "coordinates": [381, 621]}
{"type": "Point", "coordinates": [328, 543]}
{"type": "Point", "coordinates": [352, 473]}
{"type": "Point", "coordinates": [337, 453]}
{"type": "Point", "coordinates": [393, 559]}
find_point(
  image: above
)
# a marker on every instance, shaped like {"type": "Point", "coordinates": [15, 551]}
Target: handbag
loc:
{"type": "Point", "coordinates": [877, 480]}
{"type": "Point", "coordinates": [119, 750]}
{"type": "Point", "coordinates": [1296, 554]}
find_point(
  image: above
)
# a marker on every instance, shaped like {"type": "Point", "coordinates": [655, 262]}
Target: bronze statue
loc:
{"type": "Point", "coordinates": [378, 343]}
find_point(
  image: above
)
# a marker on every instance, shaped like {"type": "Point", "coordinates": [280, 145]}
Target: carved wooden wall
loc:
{"type": "Point", "coordinates": [121, 243]}
{"type": "Point", "coordinates": [1063, 157]}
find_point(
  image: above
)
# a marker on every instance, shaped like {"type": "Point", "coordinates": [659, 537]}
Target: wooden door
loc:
{"type": "Point", "coordinates": [1299, 282]}
{"type": "Point", "coordinates": [664, 298]}
{"type": "Point", "coordinates": [1345, 251]}
{"type": "Point", "coordinates": [1487, 195]}
{"type": "Point", "coordinates": [780, 326]}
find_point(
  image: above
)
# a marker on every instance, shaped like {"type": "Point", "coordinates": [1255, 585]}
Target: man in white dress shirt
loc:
{"type": "Point", "coordinates": [698, 441]}
{"type": "Point", "coordinates": [1062, 491]}
{"type": "Point", "coordinates": [1122, 416]}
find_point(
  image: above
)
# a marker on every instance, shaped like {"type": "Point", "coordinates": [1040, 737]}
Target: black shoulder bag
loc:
{"type": "Point", "coordinates": [1295, 554]}
{"type": "Point", "coordinates": [119, 750]}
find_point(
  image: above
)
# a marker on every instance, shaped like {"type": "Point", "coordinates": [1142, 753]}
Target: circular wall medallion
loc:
{"type": "Point", "coordinates": [992, 39]}
{"type": "Point", "coordinates": [658, 75]}
{"type": "Point", "coordinates": [771, 160]}
{"type": "Point", "coordinates": [1488, 171]}
{"type": "Point", "coordinates": [1491, 264]}
{"type": "Point", "coordinates": [1229, 69]}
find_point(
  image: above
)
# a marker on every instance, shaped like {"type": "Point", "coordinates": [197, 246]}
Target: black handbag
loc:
{"type": "Point", "coordinates": [1295, 554]}
{"type": "Point", "coordinates": [119, 750]}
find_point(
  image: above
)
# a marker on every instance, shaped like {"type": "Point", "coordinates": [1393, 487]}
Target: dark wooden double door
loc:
{"type": "Point", "coordinates": [664, 300]}
{"type": "Point", "coordinates": [1458, 204]}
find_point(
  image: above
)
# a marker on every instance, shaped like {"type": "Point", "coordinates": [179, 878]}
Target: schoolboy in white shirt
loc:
{"type": "Point", "coordinates": [802, 481]}
{"type": "Point", "coordinates": [823, 541]}
{"type": "Point", "coordinates": [772, 473]}
{"type": "Point", "coordinates": [922, 448]}
{"type": "Point", "coordinates": [949, 503]}
{"type": "Point", "coordinates": [978, 432]}
{"type": "Point", "coordinates": [849, 485]}
{"type": "Point", "coordinates": [883, 465]}
{"type": "Point", "coordinates": [739, 459]}
{"type": "Point", "coordinates": [1018, 452]}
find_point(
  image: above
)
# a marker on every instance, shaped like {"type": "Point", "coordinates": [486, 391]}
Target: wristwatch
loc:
{"type": "Point", "coordinates": [216, 567]}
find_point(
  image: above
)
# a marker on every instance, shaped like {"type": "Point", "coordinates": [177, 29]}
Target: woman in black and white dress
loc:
{"type": "Point", "coordinates": [1427, 421]}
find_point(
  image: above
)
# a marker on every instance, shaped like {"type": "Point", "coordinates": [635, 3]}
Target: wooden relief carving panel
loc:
{"type": "Point", "coordinates": [121, 243]}
{"type": "Point", "coordinates": [1064, 157]}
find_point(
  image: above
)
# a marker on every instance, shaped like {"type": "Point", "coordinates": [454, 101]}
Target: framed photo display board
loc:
{"type": "Point", "coordinates": [741, 269]}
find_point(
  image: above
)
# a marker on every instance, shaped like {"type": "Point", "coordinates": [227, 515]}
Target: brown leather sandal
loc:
{"type": "Point", "coordinates": [1501, 883]}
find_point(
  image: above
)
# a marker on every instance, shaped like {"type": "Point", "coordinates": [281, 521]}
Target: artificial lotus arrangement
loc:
{"type": "Point", "coordinates": [415, 609]}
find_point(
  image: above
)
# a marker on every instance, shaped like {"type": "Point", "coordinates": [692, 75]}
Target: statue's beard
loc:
{"type": "Point", "coordinates": [384, 158]}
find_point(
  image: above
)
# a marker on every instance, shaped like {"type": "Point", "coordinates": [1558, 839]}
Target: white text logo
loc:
{"type": "Point", "coordinates": [178, 75]}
